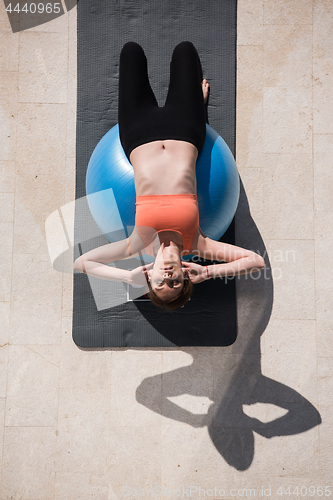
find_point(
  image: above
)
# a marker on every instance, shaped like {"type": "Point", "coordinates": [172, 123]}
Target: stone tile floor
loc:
{"type": "Point", "coordinates": [83, 424]}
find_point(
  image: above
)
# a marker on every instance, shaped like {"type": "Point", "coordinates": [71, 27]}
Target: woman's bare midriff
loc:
{"type": "Point", "coordinates": [164, 167]}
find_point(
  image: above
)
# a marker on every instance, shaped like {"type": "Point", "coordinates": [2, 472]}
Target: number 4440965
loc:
{"type": "Point", "coordinates": [311, 491]}
{"type": "Point", "coordinates": [33, 8]}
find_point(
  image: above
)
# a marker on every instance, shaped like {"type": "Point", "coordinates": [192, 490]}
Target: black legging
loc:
{"type": "Point", "coordinates": [183, 116]}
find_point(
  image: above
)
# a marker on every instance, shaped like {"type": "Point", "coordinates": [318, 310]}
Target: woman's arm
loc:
{"type": "Point", "coordinates": [95, 261]}
{"type": "Point", "coordinates": [99, 270]}
{"type": "Point", "coordinates": [236, 260]}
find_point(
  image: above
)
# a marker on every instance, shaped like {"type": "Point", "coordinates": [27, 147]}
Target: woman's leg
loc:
{"type": "Point", "coordinates": [185, 87]}
{"type": "Point", "coordinates": [135, 94]}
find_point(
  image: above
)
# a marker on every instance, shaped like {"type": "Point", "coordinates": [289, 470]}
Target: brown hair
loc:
{"type": "Point", "coordinates": [179, 301]}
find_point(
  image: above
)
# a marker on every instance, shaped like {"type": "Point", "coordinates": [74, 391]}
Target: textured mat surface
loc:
{"type": "Point", "coordinates": [209, 318]}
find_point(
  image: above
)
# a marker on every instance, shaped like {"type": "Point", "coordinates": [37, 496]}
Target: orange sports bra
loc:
{"type": "Point", "coordinates": [167, 212]}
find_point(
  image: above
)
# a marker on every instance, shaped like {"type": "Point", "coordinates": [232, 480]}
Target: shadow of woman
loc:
{"type": "Point", "coordinates": [238, 379]}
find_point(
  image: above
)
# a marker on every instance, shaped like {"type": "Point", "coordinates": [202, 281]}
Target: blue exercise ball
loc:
{"type": "Point", "coordinates": [114, 211]}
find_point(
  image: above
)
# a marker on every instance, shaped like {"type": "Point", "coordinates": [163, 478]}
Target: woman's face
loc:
{"type": "Point", "coordinates": [166, 277]}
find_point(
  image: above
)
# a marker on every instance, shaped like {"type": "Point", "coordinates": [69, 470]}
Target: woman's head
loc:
{"type": "Point", "coordinates": [178, 301]}
{"type": "Point", "coordinates": [169, 284]}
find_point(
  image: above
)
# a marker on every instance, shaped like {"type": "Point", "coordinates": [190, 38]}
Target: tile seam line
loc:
{"type": "Point", "coordinates": [30, 426]}
{"type": "Point", "coordinates": [315, 239]}
{"type": "Point", "coordinates": [12, 259]}
{"type": "Point", "coordinates": [62, 222]}
{"type": "Point", "coordinates": [43, 103]}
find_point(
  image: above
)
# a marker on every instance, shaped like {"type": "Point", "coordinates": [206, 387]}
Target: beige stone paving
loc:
{"type": "Point", "coordinates": [71, 425]}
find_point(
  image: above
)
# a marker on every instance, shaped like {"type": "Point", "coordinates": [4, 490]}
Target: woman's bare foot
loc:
{"type": "Point", "coordinates": [205, 87]}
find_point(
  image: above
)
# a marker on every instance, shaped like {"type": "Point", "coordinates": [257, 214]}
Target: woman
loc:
{"type": "Point", "coordinates": [163, 144]}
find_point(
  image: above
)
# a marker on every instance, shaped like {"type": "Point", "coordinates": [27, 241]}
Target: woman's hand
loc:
{"type": "Point", "coordinates": [197, 273]}
{"type": "Point", "coordinates": [137, 276]}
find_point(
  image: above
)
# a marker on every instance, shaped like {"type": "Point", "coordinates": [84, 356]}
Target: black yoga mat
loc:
{"type": "Point", "coordinates": [103, 26]}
